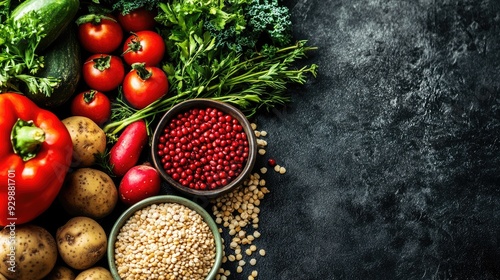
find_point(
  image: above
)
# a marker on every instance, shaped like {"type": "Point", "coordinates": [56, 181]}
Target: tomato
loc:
{"type": "Point", "coordinates": [144, 47]}
{"type": "Point", "coordinates": [144, 85]}
{"type": "Point", "coordinates": [137, 20]}
{"type": "Point", "coordinates": [140, 182]}
{"type": "Point", "coordinates": [103, 72]}
{"type": "Point", "coordinates": [92, 104]}
{"type": "Point", "coordinates": [99, 34]}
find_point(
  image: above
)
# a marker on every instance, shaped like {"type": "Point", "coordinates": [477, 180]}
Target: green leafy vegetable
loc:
{"type": "Point", "coordinates": [126, 6]}
{"type": "Point", "coordinates": [19, 62]}
{"type": "Point", "coordinates": [200, 65]}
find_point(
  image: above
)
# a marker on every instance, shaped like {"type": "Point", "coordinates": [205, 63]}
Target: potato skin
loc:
{"type": "Point", "coordinates": [88, 192]}
{"type": "Point", "coordinates": [81, 242]}
{"type": "Point", "coordinates": [95, 273]}
{"type": "Point", "coordinates": [35, 252]}
{"type": "Point", "coordinates": [61, 273]}
{"type": "Point", "coordinates": [88, 139]}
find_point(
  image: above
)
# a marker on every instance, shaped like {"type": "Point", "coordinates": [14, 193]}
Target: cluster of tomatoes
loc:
{"type": "Point", "coordinates": [132, 64]}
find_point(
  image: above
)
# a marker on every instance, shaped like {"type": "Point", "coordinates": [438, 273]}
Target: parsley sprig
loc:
{"type": "Point", "coordinates": [19, 62]}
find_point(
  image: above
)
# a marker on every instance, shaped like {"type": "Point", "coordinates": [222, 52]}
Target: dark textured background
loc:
{"type": "Point", "coordinates": [393, 150]}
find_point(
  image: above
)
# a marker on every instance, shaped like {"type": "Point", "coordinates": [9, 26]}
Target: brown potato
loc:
{"type": "Point", "coordinates": [95, 273]}
{"type": "Point", "coordinates": [81, 242]}
{"type": "Point", "coordinates": [61, 273]}
{"type": "Point", "coordinates": [88, 192]}
{"type": "Point", "coordinates": [88, 140]}
{"type": "Point", "coordinates": [27, 252]}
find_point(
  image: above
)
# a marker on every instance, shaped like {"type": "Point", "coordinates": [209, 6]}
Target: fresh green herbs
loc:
{"type": "Point", "coordinates": [200, 64]}
{"type": "Point", "coordinates": [19, 62]}
{"type": "Point", "coordinates": [126, 6]}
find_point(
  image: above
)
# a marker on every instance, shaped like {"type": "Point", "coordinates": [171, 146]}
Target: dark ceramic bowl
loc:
{"type": "Point", "coordinates": [202, 103]}
{"type": "Point", "coordinates": [165, 199]}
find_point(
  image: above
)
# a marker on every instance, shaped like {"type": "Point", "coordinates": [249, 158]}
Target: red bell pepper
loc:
{"type": "Point", "coordinates": [35, 155]}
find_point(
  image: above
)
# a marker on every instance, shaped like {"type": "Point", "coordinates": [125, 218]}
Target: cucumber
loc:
{"type": "Point", "coordinates": [62, 61]}
{"type": "Point", "coordinates": [55, 14]}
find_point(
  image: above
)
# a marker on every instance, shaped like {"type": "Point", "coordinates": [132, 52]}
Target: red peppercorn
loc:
{"type": "Point", "coordinates": [271, 162]}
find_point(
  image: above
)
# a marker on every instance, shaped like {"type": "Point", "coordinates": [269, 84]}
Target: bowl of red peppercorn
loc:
{"type": "Point", "coordinates": [203, 147]}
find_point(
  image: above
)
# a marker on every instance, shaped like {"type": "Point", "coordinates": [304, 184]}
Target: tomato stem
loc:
{"type": "Point", "coordinates": [93, 18]}
{"type": "Point", "coordinates": [103, 62]}
{"type": "Point", "coordinates": [143, 73]}
{"type": "Point", "coordinates": [89, 96]}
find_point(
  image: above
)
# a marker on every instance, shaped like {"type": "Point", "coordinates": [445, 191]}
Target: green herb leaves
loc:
{"type": "Point", "coordinates": [203, 61]}
{"type": "Point", "coordinates": [19, 61]}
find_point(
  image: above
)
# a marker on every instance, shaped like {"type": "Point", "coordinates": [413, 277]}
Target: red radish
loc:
{"type": "Point", "coordinates": [140, 182]}
{"type": "Point", "coordinates": [126, 151]}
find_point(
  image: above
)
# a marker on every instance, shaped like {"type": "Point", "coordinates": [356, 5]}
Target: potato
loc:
{"type": "Point", "coordinates": [88, 140]}
{"type": "Point", "coordinates": [88, 192]}
{"type": "Point", "coordinates": [95, 273]}
{"type": "Point", "coordinates": [81, 242]}
{"type": "Point", "coordinates": [61, 273]}
{"type": "Point", "coordinates": [27, 252]}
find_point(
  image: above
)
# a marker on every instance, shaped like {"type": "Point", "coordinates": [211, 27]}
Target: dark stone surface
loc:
{"type": "Point", "coordinates": [392, 152]}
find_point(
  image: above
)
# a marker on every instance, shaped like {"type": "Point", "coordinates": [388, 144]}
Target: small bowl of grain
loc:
{"type": "Point", "coordinates": [165, 237]}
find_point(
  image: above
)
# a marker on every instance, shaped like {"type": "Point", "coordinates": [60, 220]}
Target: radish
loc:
{"type": "Point", "coordinates": [126, 151]}
{"type": "Point", "coordinates": [140, 182]}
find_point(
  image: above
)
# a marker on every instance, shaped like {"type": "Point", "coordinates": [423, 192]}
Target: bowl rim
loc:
{"type": "Point", "coordinates": [165, 199]}
{"type": "Point", "coordinates": [204, 103]}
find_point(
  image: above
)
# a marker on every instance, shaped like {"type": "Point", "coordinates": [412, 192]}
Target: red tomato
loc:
{"type": "Point", "coordinates": [92, 104]}
{"type": "Point", "coordinates": [144, 47]}
{"type": "Point", "coordinates": [103, 35]}
{"type": "Point", "coordinates": [140, 182]}
{"type": "Point", "coordinates": [137, 20]}
{"type": "Point", "coordinates": [144, 85]}
{"type": "Point", "coordinates": [103, 72]}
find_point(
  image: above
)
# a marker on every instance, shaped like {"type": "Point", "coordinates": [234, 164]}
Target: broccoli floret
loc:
{"type": "Point", "coordinates": [264, 20]}
{"type": "Point", "coordinates": [267, 16]}
{"type": "Point", "coordinates": [126, 6]}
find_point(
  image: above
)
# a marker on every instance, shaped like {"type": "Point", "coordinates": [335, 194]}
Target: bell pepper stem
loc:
{"type": "Point", "coordinates": [26, 139]}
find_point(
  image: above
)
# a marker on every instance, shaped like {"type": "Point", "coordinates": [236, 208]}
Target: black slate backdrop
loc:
{"type": "Point", "coordinates": [392, 152]}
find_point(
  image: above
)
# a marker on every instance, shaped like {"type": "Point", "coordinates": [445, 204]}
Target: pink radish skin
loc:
{"type": "Point", "coordinates": [140, 182]}
{"type": "Point", "coordinates": [126, 151]}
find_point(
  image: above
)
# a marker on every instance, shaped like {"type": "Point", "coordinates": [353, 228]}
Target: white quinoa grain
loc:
{"type": "Point", "coordinates": [165, 241]}
{"type": "Point", "coordinates": [277, 168]}
{"type": "Point", "coordinates": [237, 214]}
{"type": "Point", "coordinates": [282, 170]}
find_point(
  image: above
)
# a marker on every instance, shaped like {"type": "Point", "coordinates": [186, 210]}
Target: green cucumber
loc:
{"type": "Point", "coordinates": [62, 61]}
{"type": "Point", "coordinates": [55, 14]}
